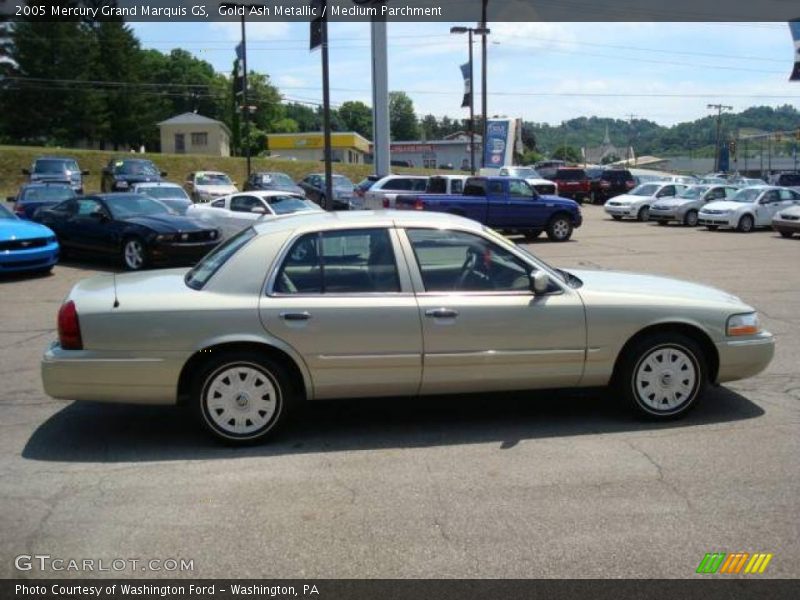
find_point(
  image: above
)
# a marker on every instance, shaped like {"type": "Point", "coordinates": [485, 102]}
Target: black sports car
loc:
{"type": "Point", "coordinates": [121, 173]}
{"type": "Point", "coordinates": [136, 228]}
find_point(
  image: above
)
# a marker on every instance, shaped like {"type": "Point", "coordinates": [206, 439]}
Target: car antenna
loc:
{"type": "Point", "coordinates": [116, 299]}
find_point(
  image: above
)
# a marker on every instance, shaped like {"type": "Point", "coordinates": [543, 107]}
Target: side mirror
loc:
{"type": "Point", "coordinates": [26, 171]}
{"type": "Point", "coordinates": [540, 282]}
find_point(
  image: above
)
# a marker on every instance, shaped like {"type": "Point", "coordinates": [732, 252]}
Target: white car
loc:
{"type": "Point", "coordinates": [749, 208]}
{"type": "Point", "coordinates": [685, 207]}
{"type": "Point", "coordinates": [636, 203]}
{"type": "Point", "coordinates": [383, 192]}
{"type": "Point", "coordinates": [543, 187]}
{"type": "Point", "coordinates": [787, 221]}
{"type": "Point", "coordinates": [231, 214]}
{"type": "Point", "coordinates": [170, 194]}
{"type": "Point", "coordinates": [205, 186]}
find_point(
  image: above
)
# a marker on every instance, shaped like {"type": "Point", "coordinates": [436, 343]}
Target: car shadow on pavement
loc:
{"type": "Point", "coordinates": [94, 432]}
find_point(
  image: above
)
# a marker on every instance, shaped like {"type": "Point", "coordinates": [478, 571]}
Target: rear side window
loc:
{"type": "Point", "coordinates": [475, 187]}
{"type": "Point", "coordinates": [456, 186]}
{"type": "Point", "coordinates": [205, 269]}
{"type": "Point", "coordinates": [357, 261]}
{"type": "Point", "coordinates": [789, 179]}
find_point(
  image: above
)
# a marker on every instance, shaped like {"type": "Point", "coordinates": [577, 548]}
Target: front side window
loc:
{"type": "Point", "coordinates": [519, 189]}
{"type": "Point", "coordinates": [455, 261]}
{"type": "Point", "coordinates": [357, 261]}
{"type": "Point", "coordinates": [87, 206]}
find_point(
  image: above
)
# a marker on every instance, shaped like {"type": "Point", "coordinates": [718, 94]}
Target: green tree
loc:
{"type": "Point", "coordinates": [356, 116]}
{"type": "Point", "coordinates": [567, 153]}
{"type": "Point", "coordinates": [430, 127]}
{"type": "Point", "coordinates": [402, 118]}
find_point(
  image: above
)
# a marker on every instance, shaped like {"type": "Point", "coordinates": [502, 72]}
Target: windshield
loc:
{"type": "Point", "coordinates": [747, 196]}
{"type": "Point", "coordinates": [213, 179]}
{"type": "Point", "coordinates": [791, 179]}
{"type": "Point", "coordinates": [647, 189]}
{"type": "Point", "coordinates": [54, 193]}
{"type": "Point", "coordinates": [5, 213]}
{"type": "Point", "coordinates": [283, 205]}
{"type": "Point", "coordinates": [166, 192]}
{"type": "Point", "coordinates": [202, 271]}
{"type": "Point", "coordinates": [524, 173]}
{"type": "Point", "coordinates": [124, 206]}
{"type": "Point", "coordinates": [135, 167]}
{"type": "Point", "coordinates": [696, 191]}
{"type": "Point", "coordinates": [277, 179]}
{"type": "Point", "coordinates": [341, 182]}
{"type": "Point", "coordinates": [54, 165]}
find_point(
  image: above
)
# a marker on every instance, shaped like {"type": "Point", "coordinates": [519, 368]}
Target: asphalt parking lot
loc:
{"type": "Point", "coordinates": [506, 486]}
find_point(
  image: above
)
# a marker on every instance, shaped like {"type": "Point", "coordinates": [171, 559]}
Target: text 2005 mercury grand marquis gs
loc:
{"type": "Point", "coordinates": [369, 304]}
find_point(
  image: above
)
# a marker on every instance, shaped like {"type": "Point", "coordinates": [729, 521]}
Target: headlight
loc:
{"type": "Point", "coordinates": [746, 324]}
{"type": "Point", "coordinates": [166, 237]}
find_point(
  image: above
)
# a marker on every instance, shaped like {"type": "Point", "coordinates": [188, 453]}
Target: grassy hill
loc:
{"type": "Point", "coordinates": [15, 158]}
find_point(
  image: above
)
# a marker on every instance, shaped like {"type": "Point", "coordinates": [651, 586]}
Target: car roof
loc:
{"type": "Point", "coordinates": [52, 157]}
{"type": "Point", "coordinates": [266, 193]}
{"type": "Point", "coordinates": [318, 221]}
{"type": "Point", "coordinates": [146, 184]}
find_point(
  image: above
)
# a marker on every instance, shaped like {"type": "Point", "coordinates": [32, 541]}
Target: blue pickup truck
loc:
{"type": "Point", "coordinates": [505, 204]}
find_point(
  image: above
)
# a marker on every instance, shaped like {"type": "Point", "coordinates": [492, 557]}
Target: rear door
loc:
{"type": "Point", "coordinates": [344, 301]}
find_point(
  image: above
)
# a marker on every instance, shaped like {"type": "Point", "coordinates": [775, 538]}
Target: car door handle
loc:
{"type": "Point", "coordinates": [296, 316]}
{"type": "Point", "coordinates": [441, 313]}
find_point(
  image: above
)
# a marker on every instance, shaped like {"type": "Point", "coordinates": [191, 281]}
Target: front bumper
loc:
{"type": "Point", "coordinates": [15, 261]}
{"type": "Point", "coordinates": [742, 358]}
{"type": "Point", "coordinates": [715, 220]}
{"type": "Point", "coordinates": [180, 253]}
{"type": "Point", "coordinates": [784, 226]}
{"type": "Point", "coordinates": [109, 377]}
{"type": "Point", "coordinates": [620, 211]}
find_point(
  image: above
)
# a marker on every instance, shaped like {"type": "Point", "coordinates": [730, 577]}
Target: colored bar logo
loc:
{"type": "Point", "coordinates": [734, 564]}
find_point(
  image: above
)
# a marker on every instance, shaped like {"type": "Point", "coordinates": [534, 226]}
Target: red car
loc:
{"type": "Point", "coordinates": [573, 183]}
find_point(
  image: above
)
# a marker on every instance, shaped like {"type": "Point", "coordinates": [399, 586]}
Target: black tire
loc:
{"type": "Point", "coordinates": [661, 222]}
{"type": "Point", "coordinates": [712, 227]}
{"type": "Point", "coordinates": [270, 377]}
{"type": "Point", "coordinates": [690, 218]}
{"type": "Point", "coordinates": [560, 228]}
{"type": "Point", "coordinates": [127, 261]}
{"type": "Point", "coordinates": [616, 217]}
{"type": "Point", "coordinates": [644, 214]}
{"type": "Point", "coordinates": [323, 202]}
{"type": "Point", "coordinates": [785, 234]}
{"type": "Point", "coordinates": [632, 372]}
{"type": "Point", "coordinates": [746, 224]}
{"type": "Point", "coordinates": [532, 234]}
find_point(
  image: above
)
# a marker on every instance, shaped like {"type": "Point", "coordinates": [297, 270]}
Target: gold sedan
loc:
{"type": "Point", "coordinates": [363, 304]}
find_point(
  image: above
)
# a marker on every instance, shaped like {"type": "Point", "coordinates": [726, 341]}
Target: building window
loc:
{"type": "Point", "coordinates": [200, 139]}
{"type": "Point", "coordinates": [429, 160]}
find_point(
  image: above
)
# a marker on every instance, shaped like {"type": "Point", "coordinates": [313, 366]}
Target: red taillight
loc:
{"type": "Point", "coordinates": [69, 328]}
{"type": "Point", "coordinates": [630, 184]}
{"type": "Point", "coordinates": [385, 203]}
{"type": "Point", "coordinates": [418, 205]}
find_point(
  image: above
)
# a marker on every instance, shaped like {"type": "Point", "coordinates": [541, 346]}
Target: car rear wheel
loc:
{"type": "Point", "coordinates": [134, 254]}
{"type": "Point", "coordinates": [242, 397]}
{"type": "Point", "coordinates": [745, 224]}
{"type": "Point", "coordinates": [323, 202]}
{"type": "Point", "coordinates": [786, 234]}
{"type": "Point", "coordinates": [643, 214]}
{"type": "Point", "coordinates": [662, 376]}
{"type": "Point", "coordinates": [559, 229]}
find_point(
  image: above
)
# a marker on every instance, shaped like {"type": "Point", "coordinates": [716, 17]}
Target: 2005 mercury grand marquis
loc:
{"type": "Point", "coordinates": [370, 304]}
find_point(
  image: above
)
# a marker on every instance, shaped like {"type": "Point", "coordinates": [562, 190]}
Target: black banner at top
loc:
{"type": "Point", "coordinates": [407, 10]}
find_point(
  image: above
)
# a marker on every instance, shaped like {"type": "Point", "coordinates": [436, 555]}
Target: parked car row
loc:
{"type": "Point", "coordinates": [713, 206]}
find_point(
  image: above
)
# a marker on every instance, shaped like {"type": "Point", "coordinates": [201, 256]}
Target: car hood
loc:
{"type": "Point", "coordinates": [628, 199]}
{"type": "Point", "coordinates": [792, 210]}
{"type": "Point", "coordinates": [216, 189]}
{"type": "Point", "coordinates": [17, 229]}
{"type": "Point", "coordinates": [558, 200]}
{"type": "Point", "coordinates": [641, 284]}
{"type": "Point", "coordinates": [167, 223]}
{"type": "Point", "coordinates": [723, 205]}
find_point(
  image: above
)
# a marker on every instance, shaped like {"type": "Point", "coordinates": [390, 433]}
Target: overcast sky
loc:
{"type": "Point", "coordinates": [669, 62]}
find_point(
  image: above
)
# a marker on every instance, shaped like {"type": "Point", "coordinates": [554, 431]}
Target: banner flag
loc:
{"type": "Point", "coordinates": [794, 26]}
{"type": "Point", "coordinates": [467, 86]}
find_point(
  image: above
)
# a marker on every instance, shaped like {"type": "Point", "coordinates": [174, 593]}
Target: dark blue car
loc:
{"type": "Point", "coordinates": [24, 245]}
{"type": "Point", "coordinates": [32, 196]}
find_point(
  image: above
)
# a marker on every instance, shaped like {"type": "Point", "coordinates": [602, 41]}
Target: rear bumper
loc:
{"type": "Point", "coordinates": [101, 377]}
{"type": "Point", "coordinates": [15, 261]}
{"type": "Point", "coordinates": [739, 359]}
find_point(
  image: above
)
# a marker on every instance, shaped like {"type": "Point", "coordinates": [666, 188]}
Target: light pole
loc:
{"type": "Point", "coordinates": [485, 85]}
{"type": "Point", "coordinates": [719, 108]}
{"type": "Point", "coordinates": [471, 31]}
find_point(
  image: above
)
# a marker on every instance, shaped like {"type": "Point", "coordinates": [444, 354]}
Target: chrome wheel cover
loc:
{"type": "Point", "coordinates": [134, 254]}
{"type": "Point", "coordinates": [560, 229]}
{"type": "Point", "coordinates": [665, 379]}
{"type": "Point", "coordinates": [240, 400]}
{"type": "Point", "coordinates": [691, 218]}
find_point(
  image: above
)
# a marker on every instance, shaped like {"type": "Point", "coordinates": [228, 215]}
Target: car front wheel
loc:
{"type": "Point", "coordinates": [242, 397]}
{"type": "Point", "coordinates": [745, 224]}
{"type": "Point", "coordinates": [662, 376]}
{"type": "Point", "coordinates": [559, 229]}
{"type": "Point", "coordinates": [643, 214]}
{"type": "Point", "coordinates": [690, 220]}
{"type": "Point", "coordinates": [134, 254]}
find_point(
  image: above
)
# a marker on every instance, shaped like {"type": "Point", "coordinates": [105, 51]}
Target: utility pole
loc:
{"type": "Point", "coordinates": [629, 149]}
{"type": "Point", "coordinates": [381, 147]}
{"type": "Point", "coordinates": [769, 154]}
{"type": "Point", "coordinates": [470, 31]}
{"type": "Point", "coordinates": [245, 105]}
{"type": "Point", "coordinates": [326, 118]}
{"type": "Point", "coordinates": [745, 154]}
{"type": "Point", "coordinates": [719, 108]}
{"type": "Point", "coordinates": [484, 83]}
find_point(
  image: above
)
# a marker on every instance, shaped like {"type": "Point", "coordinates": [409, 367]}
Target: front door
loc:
{"type": "Point", "coordinates": [482, 326]}
{"type": "Point", "coordinates": [343, 301]}
{"type": "Point", "coordinates": [521, 207]}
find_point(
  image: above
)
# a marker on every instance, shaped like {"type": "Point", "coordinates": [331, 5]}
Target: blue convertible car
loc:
{"type": "Point", "coordinates": [25, 246]}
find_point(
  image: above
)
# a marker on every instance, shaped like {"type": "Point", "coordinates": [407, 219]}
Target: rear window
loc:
{"type": "Point", "coordinates": [475, 187]}
{"type": "Point", "coordinates": [570, 174]}
{"type": "Point", "coordinates": [205, 269]}
{"type": "Point", "coordinates": [789, 179]}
